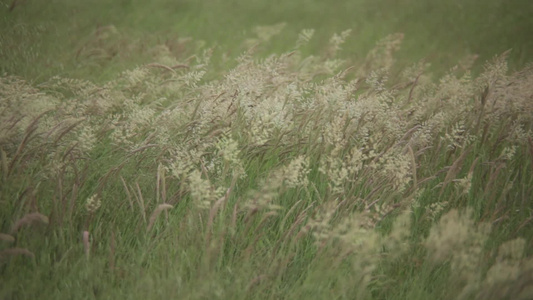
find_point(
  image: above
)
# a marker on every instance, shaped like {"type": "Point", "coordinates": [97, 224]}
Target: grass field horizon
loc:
{"type": "Point", "coordinates": [266, 149]}
{"type": "Point", "coordinates": [51, 34]}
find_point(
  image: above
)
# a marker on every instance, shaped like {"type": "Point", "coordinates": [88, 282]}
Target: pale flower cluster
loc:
{"type": "Point", "coordinates": [508, 153]}
{"type": "Point", "coordinates": [229, 150]}
{"type": "Point", "coordinates": [397, 167]}
{"type": "Point", "coordinates": [93, 203]}
{"type": "Point", "coordinates": [183, 161]}
{"type": "Point", "coordinates": [304, 37]}
{"type": "Point", "coordinates": [87, 139]}
{"type": "Point", "coordinates": [202, 191]}
{"type": "Point", "coordinates": [510, 263]}
{"type": "Point", "coordinates": [458, 239]}
{"type": "Point", "coordinates": [295, 173]}
{"type": "Point", "coordinates": [458, 137]}
{"type": "Point", "coordinates": [464, 184]}
{"type": "Point", "coordinates": [341, 169]}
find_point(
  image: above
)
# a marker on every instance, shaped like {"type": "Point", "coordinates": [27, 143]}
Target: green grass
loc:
{"type": "Point", "coordinates": [284, 172]}
{"type": "Point", "coordinates": [42, 39]}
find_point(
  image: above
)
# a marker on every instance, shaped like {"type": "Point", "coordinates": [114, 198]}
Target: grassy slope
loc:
{"type": "Point", "coordinates": [259, 255]}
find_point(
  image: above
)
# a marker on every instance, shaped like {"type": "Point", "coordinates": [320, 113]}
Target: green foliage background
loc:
{"type": "Point", "coordinates": [42, 38]}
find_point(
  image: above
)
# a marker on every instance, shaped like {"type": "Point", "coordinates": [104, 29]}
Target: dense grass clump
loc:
{"type": "Point", "coordinates": [285, 177]}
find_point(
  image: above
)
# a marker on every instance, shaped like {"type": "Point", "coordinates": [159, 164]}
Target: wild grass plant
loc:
{"type": "Point", "coordinates": [285, 177]}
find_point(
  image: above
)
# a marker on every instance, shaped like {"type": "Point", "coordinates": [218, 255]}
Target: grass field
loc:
{"type": "Point", "coordinates": [266, 149]}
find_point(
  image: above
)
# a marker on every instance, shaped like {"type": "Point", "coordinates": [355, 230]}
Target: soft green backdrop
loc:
{"type": "Point", "coordinates": [43, 38]}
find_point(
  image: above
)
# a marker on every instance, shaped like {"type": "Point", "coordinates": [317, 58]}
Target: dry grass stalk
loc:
{"type": "Point", "coordinates": [212, 214]}
{"type": "Point", "coordinates": [127, 192]}
{"type": "Point", "coordinates": [5, 168]}
{"type": "Point", "coordinates": [6, 238]}
{"type": "Point", "coordinates": [27, 136]}
{"type": "Point", "coordinates": [234, 215]}
{"type": "Point", "coordinates": [29, 219]}
{"type": "Point", "coordinates": [16, 251]}
{"type": "Point", "coordinates": [264, 220]}
{"type": "Point", "coordinates": [157, 183]}
{"type": "Point", "coordinates": [74, 196]}
{"type": "Point", "coordinates": [140, 201]}
{"type": "Point", "coordinates": [489, 187]}
{"type": "Point", "coordinates": [161, 184]}
{"type": "Point", "coordinates": [282, 224]}
{"type": "Point", "coordinates": [86, 244]}
{"type": "Point", "coordinates": [525, 223]}
{"type": "Point", "coordinates": [299, 220]}
{"type": "Point", "coordinates": [413, 167]}
{"type": "Point", "coordinates": [411, 90]}
{"type": "Point", "coordinates": [156, 213]}
{"type": "Point", "coordinates": [112, 251]}
{"type": "Point", "coordinates": [530, 150]}
{"type": "Point", "coordinates": [255, 282]}
{"type": "Point", "coordinates": [473, 166]}
{"type": "Point", "coordinates": [409, 133]}
{"type": "Point", "coordinates": [142, 148]}
{"type": "Point", "coordinates": [180, 66]}
{"type": "Point", "coordinates": [160, 66]}
{"type": "Point", "coordinates": [68, 129]}
{"type": "Point", "coordinates": [454, 169]}
{"type": "Point", "coordinates": [13, 5]}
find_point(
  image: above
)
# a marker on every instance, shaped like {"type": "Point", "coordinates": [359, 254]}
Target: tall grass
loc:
{"type": "Point", "coordinates": [288, 176]}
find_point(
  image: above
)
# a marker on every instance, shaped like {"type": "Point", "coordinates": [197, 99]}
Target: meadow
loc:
{"type": "Point", "coordinates": [266, 149]}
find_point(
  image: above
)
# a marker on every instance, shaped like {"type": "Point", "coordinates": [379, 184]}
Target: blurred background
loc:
{"type": "Point", "coordinates": [98, 38]}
